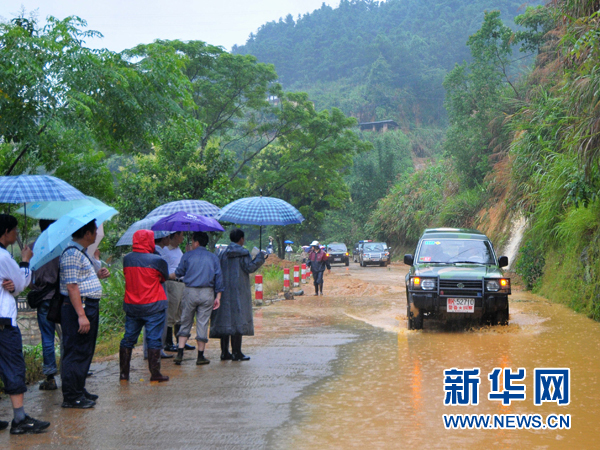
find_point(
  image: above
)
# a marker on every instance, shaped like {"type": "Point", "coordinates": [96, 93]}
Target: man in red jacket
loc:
{"type": "Point", "coordinates": [145, 302]}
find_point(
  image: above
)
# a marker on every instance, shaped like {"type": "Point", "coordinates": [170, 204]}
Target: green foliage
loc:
{"type": "Point", "coordinates": [62, 103]}
{"type": "Point", "coordinates": [375, 60]}
{"type": "Point", "coordinates": [530, 263]}
{"type": "Point", "coordinates": [272, 279]}
{"type": "Point", "coordinates": [461, 208]}
{"type": "Point", "coordinates": [112, 315]}
{"type": "Point", "coordinates": [413, 204]}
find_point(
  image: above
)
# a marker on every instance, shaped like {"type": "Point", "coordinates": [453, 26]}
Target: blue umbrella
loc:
{"type": "Point", "coordinates": [197, 207]}
{"type": "Point", "coordinates": [182, 221]}
{"type": "Point", "coordinates": [260, 211]}
{"type": "Point", "coordinates": [288, 242]}
{"type": "Point", "coordinates": [57, 236]}
{"type": "Point", "coordinates": [144, 224]}
{"type": "Point", "coordinates": [36, 188]}
{"type": "Point", "coordinates": [54, 210]}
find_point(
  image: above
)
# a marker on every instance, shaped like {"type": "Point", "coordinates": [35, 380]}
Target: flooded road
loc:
{"type": "Point", "coordinates": [338, 371]}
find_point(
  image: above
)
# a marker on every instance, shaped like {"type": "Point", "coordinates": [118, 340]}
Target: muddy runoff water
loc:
{"type": "Point", "coordinates": [335, 372]}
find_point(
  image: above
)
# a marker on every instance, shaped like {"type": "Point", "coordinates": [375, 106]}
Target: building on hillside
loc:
{"type": "Point", "coordinates": [382, 126]}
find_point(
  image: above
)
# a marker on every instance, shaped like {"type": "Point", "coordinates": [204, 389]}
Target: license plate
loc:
{"type": "Point", "coordinates": [337, 259]}
{"type": "Point", "coordinates": [460, 305]}
{"type": "Point", "coordinates": [374, 259]}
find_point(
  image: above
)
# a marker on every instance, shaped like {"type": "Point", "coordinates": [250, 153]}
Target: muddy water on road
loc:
{"type": "Point", "coordinates": [386, 390]}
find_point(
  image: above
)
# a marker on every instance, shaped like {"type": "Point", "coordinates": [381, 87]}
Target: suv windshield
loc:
{"type": "Point", "coordinates": [336, 247]}
{"type": "Point", "coordinates": [456, 251]}
{"type": "Point", "coordinates": [374, 247]}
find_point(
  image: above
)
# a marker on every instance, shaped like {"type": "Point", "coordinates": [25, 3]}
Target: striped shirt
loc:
{"type": "Point", "coordinates": [76, 268]}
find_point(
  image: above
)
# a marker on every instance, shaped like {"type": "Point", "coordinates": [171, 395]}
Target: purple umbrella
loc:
{"type": "Point", "coordinates": [182, 221]}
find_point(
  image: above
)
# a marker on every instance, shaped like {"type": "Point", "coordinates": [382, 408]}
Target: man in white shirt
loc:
{"type": "Point", "coordinates": [15, 277]}
{"type": "Point", "coordinates": [173, 254]}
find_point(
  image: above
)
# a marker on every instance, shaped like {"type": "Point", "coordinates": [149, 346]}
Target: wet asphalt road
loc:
{"type": "Point", "coordinates": [339, 371]}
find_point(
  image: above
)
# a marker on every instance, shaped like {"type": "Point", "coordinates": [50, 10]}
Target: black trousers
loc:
{"type": "Point", "coordinates": [78, 349]}
{"type": "Point", "coordinates": [12, 364]}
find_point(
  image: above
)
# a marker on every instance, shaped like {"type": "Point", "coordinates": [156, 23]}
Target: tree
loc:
{"type": "Point", "coordinates": [63, 102]}
{"type": "Point", "coordinates": [306, 166]}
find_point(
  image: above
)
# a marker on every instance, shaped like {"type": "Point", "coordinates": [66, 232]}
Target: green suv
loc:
{"type": "Point", "coordinates": [455, 275]}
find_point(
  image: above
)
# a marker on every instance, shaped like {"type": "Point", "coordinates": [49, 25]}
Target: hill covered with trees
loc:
{"type": "Point", "coordinates": [376, 60]}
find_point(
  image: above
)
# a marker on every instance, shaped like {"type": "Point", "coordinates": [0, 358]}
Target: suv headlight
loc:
{"type": "Point", "coordinates": [426, 284]}
{"type": "Point", "coordinates": [492, 285]}
{"type": "Point", "coordinates": [498, 285]}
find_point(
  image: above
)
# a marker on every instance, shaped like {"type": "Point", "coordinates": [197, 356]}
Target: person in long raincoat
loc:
{"type": "Point", "coordinates": [234, 318]}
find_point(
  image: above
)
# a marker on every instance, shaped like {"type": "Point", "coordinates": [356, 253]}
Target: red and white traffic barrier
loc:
{"type": "Point", "coordinates": [296, 276]}
{"type": "Point", "coordinates": [258, 287]}
{"type": "Point", "coordinates": [303, 273]}
{"type": "Point", "coordinates": [286, 280]}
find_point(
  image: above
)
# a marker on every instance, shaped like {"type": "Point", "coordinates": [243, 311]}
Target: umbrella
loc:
{"type": "Point", "coordinates": [53, 210]}
{"type": "Point", "coordinates": [260, 211]}
{"type": "Point", "coordinates": [197, 207]}
{"type": "Point", "coordinates": [144, 224]}
{"type": "Point", "coordinates": [57, 236]}
{"type": "Point", "coordinates": [36, 188]}
{"type": "Point", "coordinates": [288, 242]}
{"type": "Point", "coordinates": [182, 221]}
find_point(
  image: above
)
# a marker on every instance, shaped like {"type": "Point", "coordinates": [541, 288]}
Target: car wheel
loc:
{"type": "Point", "coordinates": [501, 317]}
{"type": "Point", "coordinates": [347, 262]}
{"type": "Point", "coordinates": [409, 320]}
{"type": "Point", "coordinates": [418, 321]}
{"type": "Point", "coordinates": [381, 264]}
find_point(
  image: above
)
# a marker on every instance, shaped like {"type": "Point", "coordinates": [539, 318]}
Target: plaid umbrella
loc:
{"type": "Point", "coordinates": [36, 188]}
{"type": "Point", "coordinates": [197, 207]}
{"type": "Point", "coordinates": [144, 224]}
{"type": "Point", "coordinates": [260, 211]}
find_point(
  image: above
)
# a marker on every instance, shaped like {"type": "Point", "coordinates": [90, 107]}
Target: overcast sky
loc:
{"type": "Point", "coordinates": [126, 23]}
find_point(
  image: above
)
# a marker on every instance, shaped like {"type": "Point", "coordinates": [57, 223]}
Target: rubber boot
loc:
{"type": "Point", "coordinates": [321, 288]}
{"type": "Point", "coordinates": [124, 362]}
{"type": "Point", "coordinates": [169, 347]}
{"type": "Point", "coordinates": [225, 355]}
{"type": "Point", "coordinates": [236, 347]}
{"type": "Point", "coordinates": [154, 365]}
{"type": "Point", "coordinates": [179, 356]}
{"type": "Point", "coordinates": [316, 289]}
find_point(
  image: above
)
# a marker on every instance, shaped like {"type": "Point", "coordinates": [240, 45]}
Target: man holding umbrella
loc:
{"type": "Point", "coordinates": [81, 290]}
{"type": "Point", "coordinates": [317, 261]}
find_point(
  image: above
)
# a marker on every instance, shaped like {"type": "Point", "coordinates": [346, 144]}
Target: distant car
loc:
{"type": "Point", "coordinates": [338, 253]}
{"type": "Point", "coordinates": [455, 275]}
{"type": "Point", "coordinates": [357, 249]}
{"type": "Point", "coordinates": [374, 253]}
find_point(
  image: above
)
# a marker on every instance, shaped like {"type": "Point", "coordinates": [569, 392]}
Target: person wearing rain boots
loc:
{"type": "Point", "coordinates": [145, 303]}
{"type": "Point", "coordinates": [317, 261]}
{"type": "Point", "coordinates": [201, 273]}
{"type": "Point", "coordinates": [234, 316]}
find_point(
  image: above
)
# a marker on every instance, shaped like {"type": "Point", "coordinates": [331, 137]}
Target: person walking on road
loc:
{"type": "Point", "coordinates": [288, 252]}
{"type": "Point", "coordinates": [233, 319]}
{"type": "Point", "coordinates": [43, 286]}
{"type": "Point", "coordinates": [81, 290]}
{"type": "Point", "coordinates": [145, 303]}
{"type": "Point", "coordinates": [15, 277]}
{"type": "Point", "coordinates": [318, 261]}
{"type": "Point", "coordinates": [201, 273]}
